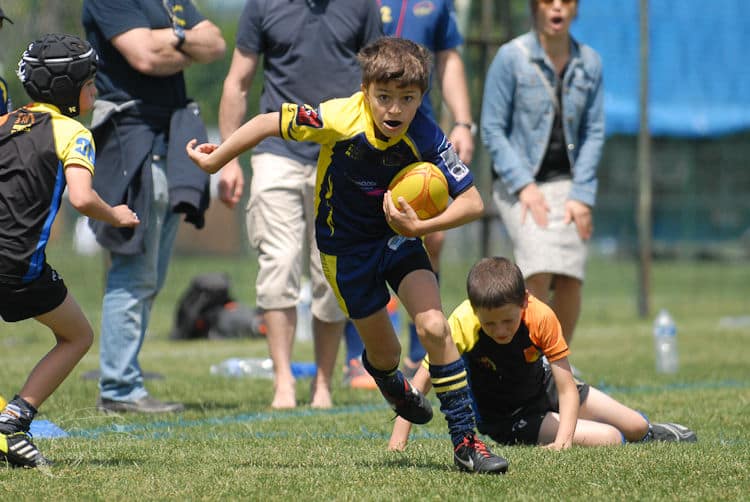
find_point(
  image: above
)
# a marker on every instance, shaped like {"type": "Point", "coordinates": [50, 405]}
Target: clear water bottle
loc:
{"type": "Point", "coordinates": [237, 367]}
{"type": "Point", "coordinates": [304, 314]}
{"type": "Point", "coordinates": [665, 343]}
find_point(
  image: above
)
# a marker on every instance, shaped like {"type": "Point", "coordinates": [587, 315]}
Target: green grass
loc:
{"type": "Point", "coordinates": [230, 445]}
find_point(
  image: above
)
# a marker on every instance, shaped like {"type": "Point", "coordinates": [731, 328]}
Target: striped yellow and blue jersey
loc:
{"type": "Point", "coordinates": [355, 167]}
{"type": "Point", "coordinates": [37, 143]}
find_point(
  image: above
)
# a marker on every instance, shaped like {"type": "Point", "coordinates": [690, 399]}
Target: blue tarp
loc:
{"type": "Point", "coordinates": [699, 83]}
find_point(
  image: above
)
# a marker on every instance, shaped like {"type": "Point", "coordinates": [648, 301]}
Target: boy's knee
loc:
{"type": "Point", "coordinates": [636, 430]}
{"type": "Point", "coordinates": [615, 436]}
{"type": "Point", "coordinates": [87, 340]}
{"type": "Point", "coordinates": [83, 339]}
{"type": "Point", "coordinates": [431, 325]}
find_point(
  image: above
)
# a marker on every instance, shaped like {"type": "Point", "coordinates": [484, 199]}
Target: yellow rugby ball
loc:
{"type": "Point", "coordinates": [423, 186]}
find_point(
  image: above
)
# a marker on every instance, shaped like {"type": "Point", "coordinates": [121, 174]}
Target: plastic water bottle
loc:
{"type": "Point", "coordinates": [259, 368]}
{"type": "Point", "coordinates": [304, 314]}
{"type": "Point", "coordinates": [237, 367]}
{"type": "Point", "coordinates": [665, 343]}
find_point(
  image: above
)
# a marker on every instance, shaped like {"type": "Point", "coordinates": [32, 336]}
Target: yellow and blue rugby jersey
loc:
{"type": "Point", "coordinates": [37, 143]}
{"type": "Point", "coordinates": [355, 167]}
{"type": "Point", "coordinates": [504, 377]}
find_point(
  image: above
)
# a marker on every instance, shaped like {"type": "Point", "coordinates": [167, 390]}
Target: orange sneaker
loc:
{"type": "Point", "coordinates": [357, 377]}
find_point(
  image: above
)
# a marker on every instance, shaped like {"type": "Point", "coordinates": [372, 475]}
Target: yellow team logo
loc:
{"type": "Point", "coordinates": [176, 13]}
{"type": "Point", "coordinates": [486, 362]}
{"type": "Point", "coordinates": [328, 194]}
{"type": "Point", "coordinates": [531, 354]}
{"type": "Point", "coordinates": [23, 123]}
{"type": "Point", "coordinates": [386, 15]}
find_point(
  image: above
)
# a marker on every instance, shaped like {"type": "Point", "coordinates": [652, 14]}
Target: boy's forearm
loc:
{"type": "Point", "coordinates": [91, 204]}
{"type": "Point", "coordinates": [204, 42]}
{"type": "Point", "coordinates": [246, 137]}
{"type": "Point", "coordinates": [421, 380]}
{"type": "Point", "coordinates": [466, 208]}
{"type": "Point", "coordinates": [569, 405]}
{"type": "Point", "coordinates": [402, 427]}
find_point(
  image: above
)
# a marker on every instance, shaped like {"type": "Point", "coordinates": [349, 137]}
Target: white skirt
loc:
{"type": "Point", "coordinates": [556, 249]}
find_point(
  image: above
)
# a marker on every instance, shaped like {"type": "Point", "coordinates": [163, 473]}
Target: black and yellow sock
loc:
{"type": "Point", "coordinates": [452, 389]}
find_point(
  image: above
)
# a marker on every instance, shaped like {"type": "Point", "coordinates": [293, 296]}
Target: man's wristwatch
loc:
{"type": "Point", "coordinates": [180, 34]}
{"type": "Point", "coordinates": [471, 126]}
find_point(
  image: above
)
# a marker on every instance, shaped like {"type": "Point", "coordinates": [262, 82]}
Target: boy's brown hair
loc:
{"type": "Point", "coordinates": [395, 59]}
{"type": "Point", "coordinates": [495, 282]}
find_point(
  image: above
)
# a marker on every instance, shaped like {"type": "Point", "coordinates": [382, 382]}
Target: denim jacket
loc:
{"type": "Point", "coordinates": [518, 112]}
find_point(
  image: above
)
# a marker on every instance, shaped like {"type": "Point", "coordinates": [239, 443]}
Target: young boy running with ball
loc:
{"type": "Point", "coordinates": [366, 242]}
{"type": "Point", "coordinates": [43, 149]}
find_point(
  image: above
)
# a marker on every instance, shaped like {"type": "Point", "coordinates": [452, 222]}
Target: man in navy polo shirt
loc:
{"type": "Point", "coordinates": [143, 114]}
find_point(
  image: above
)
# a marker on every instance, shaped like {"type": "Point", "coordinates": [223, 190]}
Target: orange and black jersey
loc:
{"type": "Point", "coordinates": [505, 378]}
{"type": "Point", "coordinates": [37, 143]}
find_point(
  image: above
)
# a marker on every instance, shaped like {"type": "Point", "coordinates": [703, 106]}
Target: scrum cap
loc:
{"type": "Point", "coordinates": [54, 68]}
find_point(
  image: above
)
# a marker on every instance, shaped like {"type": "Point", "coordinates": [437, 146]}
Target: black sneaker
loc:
{"type": "Point", "coordinates": [411, 405]}
{"type": "Point", "coordinates": [144, 405]}
{"type": "Point", "coordinates": [18, 450]}
{"type": "Point", "coordinates": [672, 432]}
{"type": "Point", "coordinates": [472, 455]}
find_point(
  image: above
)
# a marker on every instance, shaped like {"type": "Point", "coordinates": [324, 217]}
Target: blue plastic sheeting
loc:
{"type": "Point", "coordinates": [46, 429]}
{"type": "Point", "coordinates": [699, 83]}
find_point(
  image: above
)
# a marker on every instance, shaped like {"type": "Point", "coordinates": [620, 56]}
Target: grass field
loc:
{"type": "Point", "coordinates": [230, 445]}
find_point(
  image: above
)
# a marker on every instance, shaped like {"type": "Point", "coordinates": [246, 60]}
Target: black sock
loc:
{"type": "Point", "coordinates": [17, 416]}
{"type": "Point", "coordinates": [390, 382]}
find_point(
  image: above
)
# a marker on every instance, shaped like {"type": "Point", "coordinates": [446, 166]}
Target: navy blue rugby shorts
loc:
{"type": "Point", "coordinates": [361, 280]}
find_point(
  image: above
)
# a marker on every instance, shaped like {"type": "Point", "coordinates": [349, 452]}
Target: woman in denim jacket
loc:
{"type": "Point", "coordinates": [543, 124]}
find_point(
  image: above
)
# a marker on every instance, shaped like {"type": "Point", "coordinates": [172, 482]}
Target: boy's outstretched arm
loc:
{"type": "Point", "coordinates": [211, 157]}
{"type": "Point", "coordinates": [86, 201]}
{"type": "Point", "coordinates": [401, 427]}
{"type": "Point", "coordinates": [465, 208]}
{"type": "Point", "coordinates": [569, 400]}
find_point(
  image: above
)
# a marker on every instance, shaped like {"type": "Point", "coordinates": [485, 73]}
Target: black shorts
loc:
{"type": "Point", "coordinates": [24, 301]}
{"type": "Point", "coordinates": [523, 426]}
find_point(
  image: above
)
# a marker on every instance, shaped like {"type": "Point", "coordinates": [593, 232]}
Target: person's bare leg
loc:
{"type": "Point", "coordinates": [601, 407]}
{"type": "Point", "coordinates": [587, 433]}
{"type": "Point", "coordinates": [74, 338]}
{"type": "Point", "coordinates": [434, 244]}
{"type": "Point", "coordinates": [539, 285]}
{"type": "Point", "coordinates": [327, 337]}
{"type": "Point", "coordinates": [420, 296]}
{"type": "Point", "coordinates": [566, 303]}
{"type": "Point", "coordinates": [280, 336]}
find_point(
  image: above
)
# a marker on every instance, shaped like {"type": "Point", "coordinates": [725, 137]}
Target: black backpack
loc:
{"type": "Point", "coordinates": [200, 306]}
{"type": "Point", "coordinates": [207, 310]}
